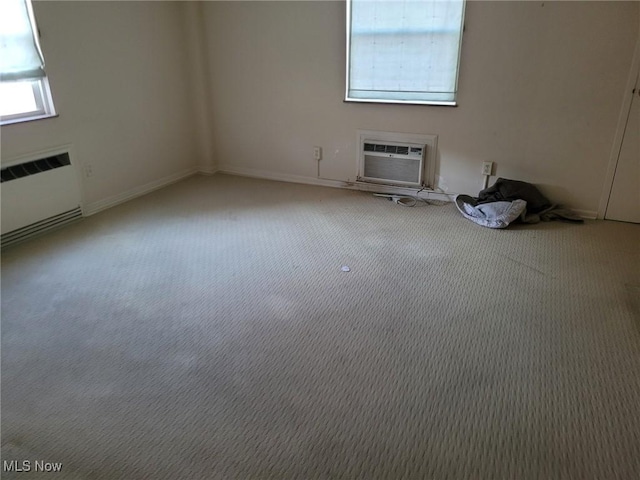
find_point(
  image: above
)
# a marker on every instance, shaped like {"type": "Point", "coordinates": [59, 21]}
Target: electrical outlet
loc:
{"type": "Point", "coordinates": [487, 167]}
{"type": "Point", "coordinates": [88, 170]}
{"type": "Point", "coordinates": [317, 153]}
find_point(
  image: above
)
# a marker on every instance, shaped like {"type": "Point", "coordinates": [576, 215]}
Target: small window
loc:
{"type": "Point", "coordinates": [25, 100]}
{"type": "Point", "coordinates": [403, 51]}
{"type": "Point", "coordinates": [24, 88]}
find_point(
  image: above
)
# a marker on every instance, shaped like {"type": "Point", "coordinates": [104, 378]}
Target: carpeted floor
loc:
{"type": "Point", "coordinates": [207, 331]}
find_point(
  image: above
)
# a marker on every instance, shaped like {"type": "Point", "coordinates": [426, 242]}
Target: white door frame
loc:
{"type": "Point", "coordinates": [617, 140]}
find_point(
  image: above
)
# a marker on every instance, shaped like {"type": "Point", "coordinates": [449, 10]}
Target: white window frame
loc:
{"type": "Point", "coordinates": [43, 100]}
{"type": "Point", "coordinates": [348, 98]}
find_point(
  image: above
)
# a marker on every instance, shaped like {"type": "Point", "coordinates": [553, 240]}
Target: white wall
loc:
{"type": "Point", "coordinates": [541, 86]}
{"type": "Point", "coordinates": [117, 74]}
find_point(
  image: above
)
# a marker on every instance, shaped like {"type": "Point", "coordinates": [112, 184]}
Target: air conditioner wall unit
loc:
{"type": "Point", "coordinates": [400, 163]}
{"type": "Point", "coordinates": [405, 160]}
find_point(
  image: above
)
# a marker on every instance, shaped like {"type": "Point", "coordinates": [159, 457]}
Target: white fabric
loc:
{"type": "Point", "coordinates": [20, 54]}
{"type": "Point", "coordinates": [493, 214]}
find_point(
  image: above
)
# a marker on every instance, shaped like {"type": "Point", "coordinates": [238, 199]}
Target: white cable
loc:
{"type": "Point", "coordinates": [403, 200]}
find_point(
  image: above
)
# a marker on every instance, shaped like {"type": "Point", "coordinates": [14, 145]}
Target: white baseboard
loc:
{"type": "Point", "coordinates": [362, 186]}
{"type": "Point", "coordinates": [324, 182]}
{"type": "Point", "coordinates": [114, 200]}
{"type": "Point", "coordinates": [586, 214]}
{"type": "Point", "coordinates": [206, 171]}
{"type": "Point", "coordinates": [280, 177]}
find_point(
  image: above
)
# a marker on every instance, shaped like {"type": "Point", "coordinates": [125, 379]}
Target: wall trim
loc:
{"type": "Point", "coordinates": [586, 214]}
{"type": "Point", "coordinates": [323, 182]}
{"type": "Point", "coordinates": [95, 207]}
{"type": "Point", "coordinates": [361, 186]}
{"type": "Point", "coordinates": [200, 79]}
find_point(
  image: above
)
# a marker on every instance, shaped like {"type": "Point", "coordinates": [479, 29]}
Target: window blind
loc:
{"type": "Point", "coordinates": [20, 54]}
{"type": "Point", "coordinates": [404, 50]}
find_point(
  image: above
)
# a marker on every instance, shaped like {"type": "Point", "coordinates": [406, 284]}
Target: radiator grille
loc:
{"type": "Point", "coordinates": [46, 225]}
{"type": "Point", "coordinates": [36, 166]}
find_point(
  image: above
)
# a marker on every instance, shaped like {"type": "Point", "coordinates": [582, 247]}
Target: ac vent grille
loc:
{"type": "Point", "coordinates": [394, 149]}
{"type": "Point", "coordinates": [38, 228]}
{"type": "Point", "coordinates": [32, 168]}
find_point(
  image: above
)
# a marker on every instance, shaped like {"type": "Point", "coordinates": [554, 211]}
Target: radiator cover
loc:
{"type": "Point", "coordinates": [38, 193]}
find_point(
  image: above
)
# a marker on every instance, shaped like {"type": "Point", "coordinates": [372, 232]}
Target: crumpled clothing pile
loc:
{"type": "Point", "coordinates": [507, 201]}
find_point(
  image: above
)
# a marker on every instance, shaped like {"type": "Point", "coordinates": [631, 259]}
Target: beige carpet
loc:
{"type": "Point", "coordinates": [207, 331]}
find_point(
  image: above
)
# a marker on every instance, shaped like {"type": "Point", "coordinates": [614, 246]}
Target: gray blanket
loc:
{"type": "Point", "coordinates": [508, 201]}
{"type": "Point", "coordinates": [505, 190]}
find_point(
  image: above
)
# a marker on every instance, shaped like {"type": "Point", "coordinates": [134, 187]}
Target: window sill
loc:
{"type": "Point", "coordinates": [13, 121]}
{"type": "Point", "coordinates": [401, 102]}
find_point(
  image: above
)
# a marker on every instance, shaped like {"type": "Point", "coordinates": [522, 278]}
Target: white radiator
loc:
{"type": "Point", "coordinates": [38, 194]}
{"type": "Point", "coordinates": [396, 159]}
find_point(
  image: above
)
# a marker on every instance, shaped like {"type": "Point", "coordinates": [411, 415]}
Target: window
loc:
{"type": "Point", "coordinates": [403, 51]}
{"type": "Point", "coordinates": [24, 89]}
